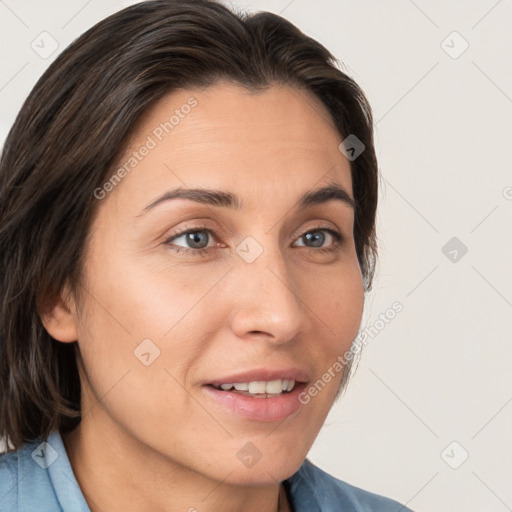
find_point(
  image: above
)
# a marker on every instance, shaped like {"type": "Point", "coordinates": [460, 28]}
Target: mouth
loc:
{"type": "Point", "coordinates": [259, 395]}
{"type": "Point", "coordinates": [259, 388]}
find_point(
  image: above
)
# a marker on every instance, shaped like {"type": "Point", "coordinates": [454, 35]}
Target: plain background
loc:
{"type": "Point", "coordinates": [433, 385]}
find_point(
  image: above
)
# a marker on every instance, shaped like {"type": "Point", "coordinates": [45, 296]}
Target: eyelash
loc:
{"type": "Point", "coordinates": [338, 239]}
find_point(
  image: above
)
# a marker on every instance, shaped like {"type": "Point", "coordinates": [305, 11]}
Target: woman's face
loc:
{"type": "Point", "coordinates": [263, 291]}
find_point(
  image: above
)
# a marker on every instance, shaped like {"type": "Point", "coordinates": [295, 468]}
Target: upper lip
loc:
{"type": "Point", "coordinates": [261, 374]}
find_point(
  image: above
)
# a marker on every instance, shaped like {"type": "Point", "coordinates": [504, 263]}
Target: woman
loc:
{"type": "Point", "coordinates": [187, 231]}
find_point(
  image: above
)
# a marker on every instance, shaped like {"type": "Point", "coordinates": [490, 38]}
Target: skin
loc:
{"type": "Point", "coordinates": [150, 439]}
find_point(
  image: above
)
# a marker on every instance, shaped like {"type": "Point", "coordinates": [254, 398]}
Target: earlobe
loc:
{"type": "Point", "coordinates": [60, 319]}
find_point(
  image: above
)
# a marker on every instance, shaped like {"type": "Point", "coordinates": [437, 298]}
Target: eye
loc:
{"type": "Point", "coordinates": [316, 237]}
{"type": "Point", "coordinates": [196, 240]}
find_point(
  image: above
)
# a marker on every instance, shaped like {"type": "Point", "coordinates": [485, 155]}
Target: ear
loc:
{"type": "Point", "coordinates": [60, 318]}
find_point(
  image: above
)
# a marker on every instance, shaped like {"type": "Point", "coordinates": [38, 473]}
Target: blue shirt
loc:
{"type": "Point", "coordinates": [39, 478]}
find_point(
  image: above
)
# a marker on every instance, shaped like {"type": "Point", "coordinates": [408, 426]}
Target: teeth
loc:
{"type": "Point", "coordinates": [257, 387]}
{"type": "Point", "coordinates": [273, 387]}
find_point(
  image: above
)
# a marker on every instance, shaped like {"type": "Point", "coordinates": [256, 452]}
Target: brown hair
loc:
{"type": "Point", "coordinates": [65, 141]}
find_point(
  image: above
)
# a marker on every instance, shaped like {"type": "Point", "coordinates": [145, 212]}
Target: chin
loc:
{"type": "Point", "coordinates": [249, 466]}
{"type": "Point", "coordinates": [261, 473]}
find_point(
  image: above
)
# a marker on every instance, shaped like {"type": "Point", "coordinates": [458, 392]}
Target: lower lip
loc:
{"type": "Point", "coordinates": [276, 408]}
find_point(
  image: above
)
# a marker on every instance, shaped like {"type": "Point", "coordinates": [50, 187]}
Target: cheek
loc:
{"type": "Point", "coordinates": [336, 298]}
{"type": "Point", "coordinates": [146, 299]}
{"type": "Point", "coordinates": [339, 308]}
{"type": "Point", "coordinates": [127, 305]}
{"type": "Point", "coordinates": [137, 345]}
{"type": "Point", "coordinates": [346, 309]}
{"type": "Point", "coordinates": [175, 311]}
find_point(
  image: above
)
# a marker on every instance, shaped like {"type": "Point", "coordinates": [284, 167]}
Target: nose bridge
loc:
{"type": "Point", "coordinates": [267, 298]}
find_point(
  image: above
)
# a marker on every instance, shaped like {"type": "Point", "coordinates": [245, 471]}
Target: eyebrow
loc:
{"type": "Point", "coordinates": [226, 199]}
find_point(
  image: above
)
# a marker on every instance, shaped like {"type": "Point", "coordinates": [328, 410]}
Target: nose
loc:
{"type": "Point", "coordinates": [265, 299]}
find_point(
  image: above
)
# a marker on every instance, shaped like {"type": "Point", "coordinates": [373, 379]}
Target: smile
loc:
{"type": "Point", "coordinates": [260, 388]}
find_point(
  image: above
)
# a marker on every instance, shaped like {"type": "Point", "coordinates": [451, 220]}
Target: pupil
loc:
{"type": "Point", "coordinates": [195, 238]}
{"type": "Point", "coordinates": [317, 237]}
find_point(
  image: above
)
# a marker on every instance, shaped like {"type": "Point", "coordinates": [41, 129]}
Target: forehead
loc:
{"type": "Point", "coordinates": [225, 136]}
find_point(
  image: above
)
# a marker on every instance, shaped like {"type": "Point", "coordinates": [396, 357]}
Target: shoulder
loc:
{"type": "Point", "coordinates": [313, 489]}
{"type": "Point", "coordinates": [25, 482]}
{"type": "Point", "coordinates": [8, 481]}
{"type": "Point", "coordinates": [38, 476]}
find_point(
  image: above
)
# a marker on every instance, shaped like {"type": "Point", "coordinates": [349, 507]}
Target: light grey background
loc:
{"type": "Point", "coordinates": [439, 372]}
